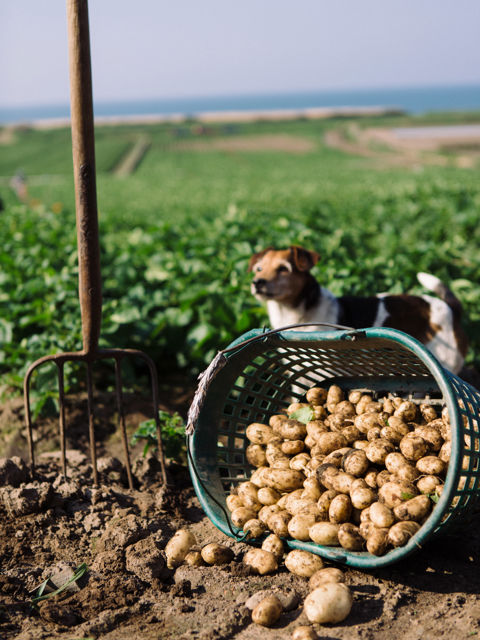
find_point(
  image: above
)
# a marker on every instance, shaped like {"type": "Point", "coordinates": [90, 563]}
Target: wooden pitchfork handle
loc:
{"type": "Point", "coordinates": [83, 148]}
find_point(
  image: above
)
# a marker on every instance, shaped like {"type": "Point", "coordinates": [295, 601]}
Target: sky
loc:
{"type": "Point", "coordinates": [154, 49]}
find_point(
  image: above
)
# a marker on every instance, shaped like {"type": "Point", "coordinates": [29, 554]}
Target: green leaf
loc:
{"type": "Point", "coordinates": [305, 414]}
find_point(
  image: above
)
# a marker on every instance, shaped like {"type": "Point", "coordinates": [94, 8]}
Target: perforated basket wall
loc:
{"type": "Point", "coordinates": [264, 372]}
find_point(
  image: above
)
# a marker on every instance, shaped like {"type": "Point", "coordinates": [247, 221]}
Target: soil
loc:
{"type": "Point", "coordinates": [50, 525]}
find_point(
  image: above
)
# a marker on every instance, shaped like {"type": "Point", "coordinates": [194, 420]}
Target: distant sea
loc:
{"type": "Point", "coordinates": [412, 100]}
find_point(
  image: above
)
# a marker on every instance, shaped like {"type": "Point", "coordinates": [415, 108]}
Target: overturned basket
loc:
{"type": "Point", "coordinates": [262, 372]}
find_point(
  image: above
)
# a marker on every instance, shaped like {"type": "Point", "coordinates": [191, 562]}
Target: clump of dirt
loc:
{"type": "Point", "coordinates": [50, 525]}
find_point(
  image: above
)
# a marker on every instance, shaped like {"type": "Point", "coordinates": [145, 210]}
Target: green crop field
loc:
{"type": "Point", "coordinates": [177, 234]}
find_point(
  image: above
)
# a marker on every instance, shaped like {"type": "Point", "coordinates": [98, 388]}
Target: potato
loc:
{"type": "Point", "coordinates": [312, 488]}
{"type": "Point", "coordinates": [260, 561]}
{"type": "Point", "coordinates": [371, 478]}
{"type": "Point", "coordinates": [328, 603]}
{"type": "Point", "coordinates": [394, 493]}
{"type": "Point", "coordinates": [304, 633]}
{"type": "Point", "coordinates": [255, 455]}
{"type": "Point", "coordinates": [254, 527]}
{"type": "Point", "coordinates": [428, 412]}
{"type": "Point", "coordinates": [445, 451]}
{"type": "Point", "coordinates": [373, 407]}
{"type": "Point", "coordinates": [299, 462]}
{"type": "Point", "coordinates": [276, 419]}
{"type": "Point", "coordinates": [416, 509]}
{"type": "Point", "coordinates": [284, 479]}
{"type": "Point", "coordinates": [351, 434]}
{"type": "Point", "coordinates": [216, 554]}
{"type": "Point", "coordinates": [345, 408]}
{"type": "Point", "coordinates": [274, 455]}
{"type": "Point", "coordinates": [342, 482]}
{"type": "Point", "coordinates": [303, 563]}
{"type": "Point", "coordinates": [315, 428]}
{"type": "Point", "coordinates": [324, 576]}
{"type": "Point", "coordinates": [299, 525]}
{"type": "Point", "coordinates": [268, 611]}
{"type": "Point", "coordinates": [383, 477]}
{"type": "Point", "coordinates": [407, 411]}
{"type": "Point", "coordinates": [365, 421]}
{"type": "Point", "coordinates": [391, 434]}
{"type": "Point", "coordinates": [292, 447]}
{"type": "Point", "coordinates": [350, 538]}
{"type": "Point", "coordinates": [288, 499]}
{"type": "Point", "coordinates": [178, 546]}
{"type": "Point", "coordinates": [233, 502]}
{"type": "Point", "coordinates": [336, 457]}
{"type": "Point", "coordinates": [354, 396]}
{"type": "Point", "coordinates": [399, 466]}
{"type": "Point", "coordinates": [257, 477]}
{"type": "Point", "coordinates": [377, 541]}
{"type": "Point", "coordinates": [265, 512]}
{"type": "Point", "coordinates": [355, 462]}
{"type": "Point", "coordinates": [259, 433]}
{"type": "Point", "coordinates": [274, 544]}
{"type": "Point", "coordinates": [362, 403]}
{"type": "Point", "coordinates": [340, 509]}
{"type": "Point", "coordinates": [428, 484]}
{"type": "Point", "coordinates": [267, 495]}
{"type": "Point", "coordinates": [413, 447]}
{"type": "Point", "coordinates": [292, 430]}
{"type": "Point", "coordinates": [320, 412]}
{"type": "Point", "coordinates": [328, 442]}
{"type": "Point", "coordinates": [378, 450]}
{"type": "Point", "coordinates": [324, 533]}
{"type": "Point", "coordinates": [194, 559]}
{"type": "Point", "coordinates": [334, 396]}
{"type": "Point", "coordinates": [381, 515]}
{"type": "Point", "coordinates": [374, 433]}
{"type": "Point", "coordinates": [432, 466]}
{"type": "Point", "coordinates": [315, 462]}
{"type": "Point", "coordinates": [325, 475]}
{"type": "Point", "coordinates": [278, 523]}
{"type": "Point", "coordinates": [248, 492]}
{"type": "Point", "coordinates": [360, 444]}
{"type": "Point", "coordinates": [324, 502]}
{"type": "Point", "coordinates": [401, 532]}
{"type": "Point", "coordinates": [240, 515]}
{"type": "Point", "coordinates": [298, 505]}
{"type": "Point", "coordinates": [362, 497]}
{"type": "Point", "coordinates": [316, 396]}
{"type": "Point", "coordinates": [338, 421]}
{"type": "Point", "coordinates": [432, 437]}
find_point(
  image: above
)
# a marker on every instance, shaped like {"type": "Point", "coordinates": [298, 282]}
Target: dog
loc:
{"type": "Point", "coordinates": [283, 280]}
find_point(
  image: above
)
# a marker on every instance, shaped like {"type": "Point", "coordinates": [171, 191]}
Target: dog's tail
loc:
{"type": "Point", "coordinates": [432, 283]}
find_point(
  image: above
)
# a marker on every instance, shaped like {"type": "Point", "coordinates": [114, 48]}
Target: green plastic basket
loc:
{"type": "Point", "coordinates": [253, 378]}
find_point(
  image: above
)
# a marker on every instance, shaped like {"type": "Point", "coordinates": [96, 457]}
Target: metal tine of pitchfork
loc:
{"type": "Point", "coordinates": [90, 284]}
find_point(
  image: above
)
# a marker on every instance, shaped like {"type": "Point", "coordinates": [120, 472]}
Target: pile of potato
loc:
{"type": "Point", "coordinates": [344, 469]}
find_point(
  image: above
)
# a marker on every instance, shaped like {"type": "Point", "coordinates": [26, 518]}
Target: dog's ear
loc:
{"type": "Point", "coordinates": [303, 259]}
{"type": "Point", "coordinates": [256, 257]}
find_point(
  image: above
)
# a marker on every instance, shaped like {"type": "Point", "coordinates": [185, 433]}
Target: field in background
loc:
{"type": "Point", "coordinates": [180, 223]}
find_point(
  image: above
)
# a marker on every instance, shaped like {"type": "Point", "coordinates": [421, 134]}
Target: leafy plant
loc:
{"type": "Point", "coordinates": [173, 435]}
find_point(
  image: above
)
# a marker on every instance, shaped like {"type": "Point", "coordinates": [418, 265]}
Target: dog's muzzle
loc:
{"type": "Point", "coordinates": [259, 285]}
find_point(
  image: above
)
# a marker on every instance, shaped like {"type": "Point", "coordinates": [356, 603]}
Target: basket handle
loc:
{"type": "Point", "coordinates": [205, 378]}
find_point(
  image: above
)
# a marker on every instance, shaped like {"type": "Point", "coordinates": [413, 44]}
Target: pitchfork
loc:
{"type": "Point", "coordinates": [90, 284]}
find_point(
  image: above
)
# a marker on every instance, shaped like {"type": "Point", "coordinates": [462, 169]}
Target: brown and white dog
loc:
{"type": "Point", "coordinates": [283, 280]}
